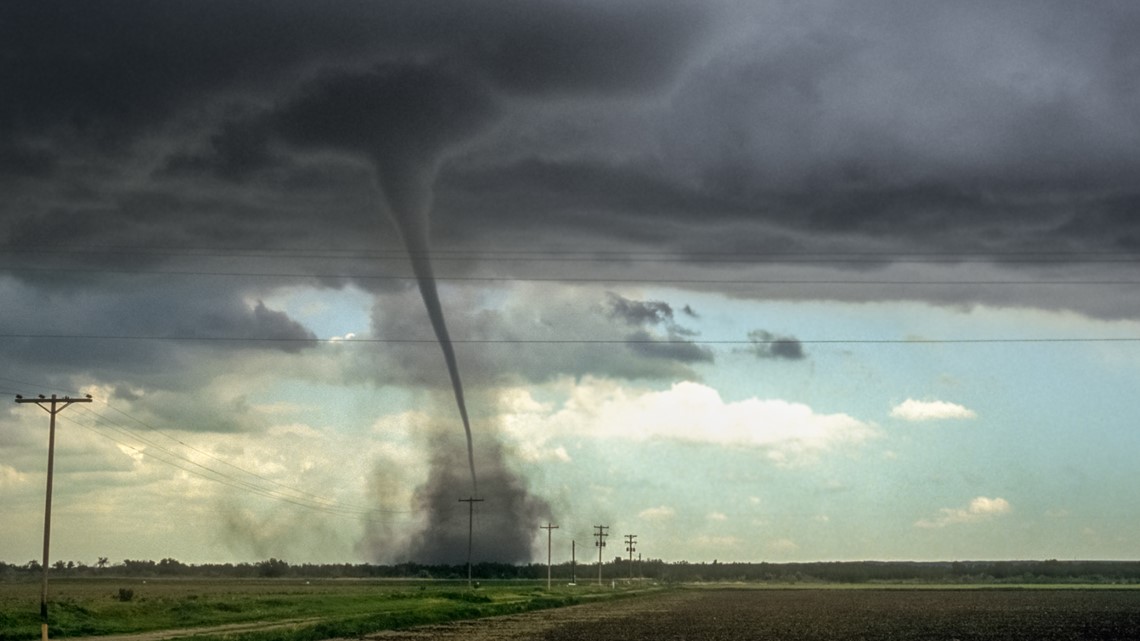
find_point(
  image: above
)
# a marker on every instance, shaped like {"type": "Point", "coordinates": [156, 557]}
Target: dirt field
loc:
{"type": "Point", "coordinates": [820, 615]}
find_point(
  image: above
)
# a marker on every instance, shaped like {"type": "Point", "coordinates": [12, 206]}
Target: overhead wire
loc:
{"type": "Point", "coordinates": [301, 494]}
{"type": "Point", "coordinates": [195, 468]}
{"type": "Point", "coordinates": [262, 486]}
{"type": "Point", "coordinates": [570, 341]}
{"type": "Point", "coordinates": [599, 256]}
{"type": "Point", "coordinates": [492, 256]}
{"type": "Point", "coordinates": [579, 255]}
{"type": "Point", "coordinates": [570, 279]}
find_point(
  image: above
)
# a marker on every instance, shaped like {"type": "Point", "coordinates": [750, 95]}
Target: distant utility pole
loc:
{"type": "Point", "coordinates": [470, 501]}
{"type": "Point", "coordinates": [573, 562]}
{"type": "Point", "coordinates": [52, 406]}
{"type": "Point", "coordinates": [630, 540]}
{"type": "Point", "coordinates": [548, 527]}
{"type": "Point", "coordinates": [601, 535]}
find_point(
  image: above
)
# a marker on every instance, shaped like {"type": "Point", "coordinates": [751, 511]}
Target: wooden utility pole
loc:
{"type": "Point", "coordinates": [470, 501]}
{"type": "Point", "coordinates": [601, 535]}
{"type": "Point", "coordinates": [573, 562]}
{"type": "Point", "coordinates": [548, 527]}
{"type": "Point", "coordinates": [52, 406]}
{"type": "Point", "coordinates": [630, 540]}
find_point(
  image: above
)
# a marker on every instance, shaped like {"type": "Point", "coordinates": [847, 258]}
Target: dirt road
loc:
{"type": "Point", "coordinates": [183, 633]}
{"type": "Point", "coordinates": [543, 623]}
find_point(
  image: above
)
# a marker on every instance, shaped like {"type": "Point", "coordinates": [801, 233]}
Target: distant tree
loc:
{"type": "Point", "coordinates": [171, 566]}
{"type": "Point", "coordinates": [102, 562]}
{"type": "Point", "coordinates": [138, 567]}
{"type": "Point", "coordinates": [272, 568]}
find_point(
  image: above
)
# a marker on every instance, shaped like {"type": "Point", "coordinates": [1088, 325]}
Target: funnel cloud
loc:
{"type": "Point", "coordinates": [402, 117]}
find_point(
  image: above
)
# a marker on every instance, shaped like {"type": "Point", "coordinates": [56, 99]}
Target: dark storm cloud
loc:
{"type": "Point", "coordinates": [648, 313]}
{"type": "Point", "coordinates": [122, 333]}
{"type": "Point", "coordinates": [183, 108]}
{"type": "Point", "coordinates": [999, 124]}
{"type": "Point", "coordinates": [915, 120]}
{"type": "Point", "coordinates": [881, 126]}
{"type": "Point", "coordinates": [587, 46]}
{"type": "Point", "coordinates": [22, 161]}
{"type": "Point", "coordinates": [274, 325]}
{"type": "Point", "coordinates": [628, 189]}
{"type": "Point", "coordinates": [671, 347]}
{"type": "Point", "coordinates": [675, 345]}
{"type": "Point", "coordinates": [398, 115]}
{"type": "Point", "coordinates": [241, 147]}
{"type": "Point", "coordinates": [104, 69]}
{"type": "Point", "coordinates": [636, 312]}
{"type": "Point", "coordinates": [767, 345]}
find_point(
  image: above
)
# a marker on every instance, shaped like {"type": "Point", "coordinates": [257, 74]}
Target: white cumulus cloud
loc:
{"type": "Point", "coordinates": [10, 476]}
{"type": "Point", "coordinates": [913, 410]}
{"type": "Point", "coordinates": [687, 412]}
{"type": "Point", "coordinates": [660, 513]}
{"type": "Point", "coordinates": [980, 509]}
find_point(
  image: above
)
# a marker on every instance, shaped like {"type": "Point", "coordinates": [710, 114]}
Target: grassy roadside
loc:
{"type": "Point", "coordinates": [298, 610]}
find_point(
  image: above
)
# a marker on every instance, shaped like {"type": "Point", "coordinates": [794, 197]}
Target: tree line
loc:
{"type": "Point", "coordinates": [1048, 571]}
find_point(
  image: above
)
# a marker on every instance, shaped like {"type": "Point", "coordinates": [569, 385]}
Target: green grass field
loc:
{"type": "Point", "coordinates": [310, 610]}
{"type": "Point", "coordinates": [307, 609]}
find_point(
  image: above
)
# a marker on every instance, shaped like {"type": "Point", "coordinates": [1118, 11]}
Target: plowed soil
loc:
{"type": "Point", "coordinates": [819, 615]}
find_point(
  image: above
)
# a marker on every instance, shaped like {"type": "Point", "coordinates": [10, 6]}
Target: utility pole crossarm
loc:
{"type": "Point", "coordinates": [52, 406]}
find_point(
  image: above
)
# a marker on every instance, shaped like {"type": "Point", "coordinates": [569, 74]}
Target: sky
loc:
{"type": "Point", "coordinates": [754, 281]}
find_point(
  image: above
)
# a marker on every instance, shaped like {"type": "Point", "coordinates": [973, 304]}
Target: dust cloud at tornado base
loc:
{"type": "Point", "coordinates": [505, 523]}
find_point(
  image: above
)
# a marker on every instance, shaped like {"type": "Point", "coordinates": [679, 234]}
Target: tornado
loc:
{"type": "Point", "coordinates": [403, 117]}
{"type": "Point", "coordinates": [409, 196]}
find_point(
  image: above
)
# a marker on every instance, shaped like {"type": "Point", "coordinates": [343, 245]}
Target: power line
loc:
{"type": "Point", "coordinates": [190, 466]}
{"type": "Point", "coordinates": [579, 279]}
{"type": "Point", "coordinates": [572, 341]}
{"type": "Point", "coordinates": [104, 426]}
{"type": "Point", "coordinates": [285, 493]}
{"type": "Point", "coordinates": [301, 493]}
{"type": "Point", "coordinates": [560, 255]}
